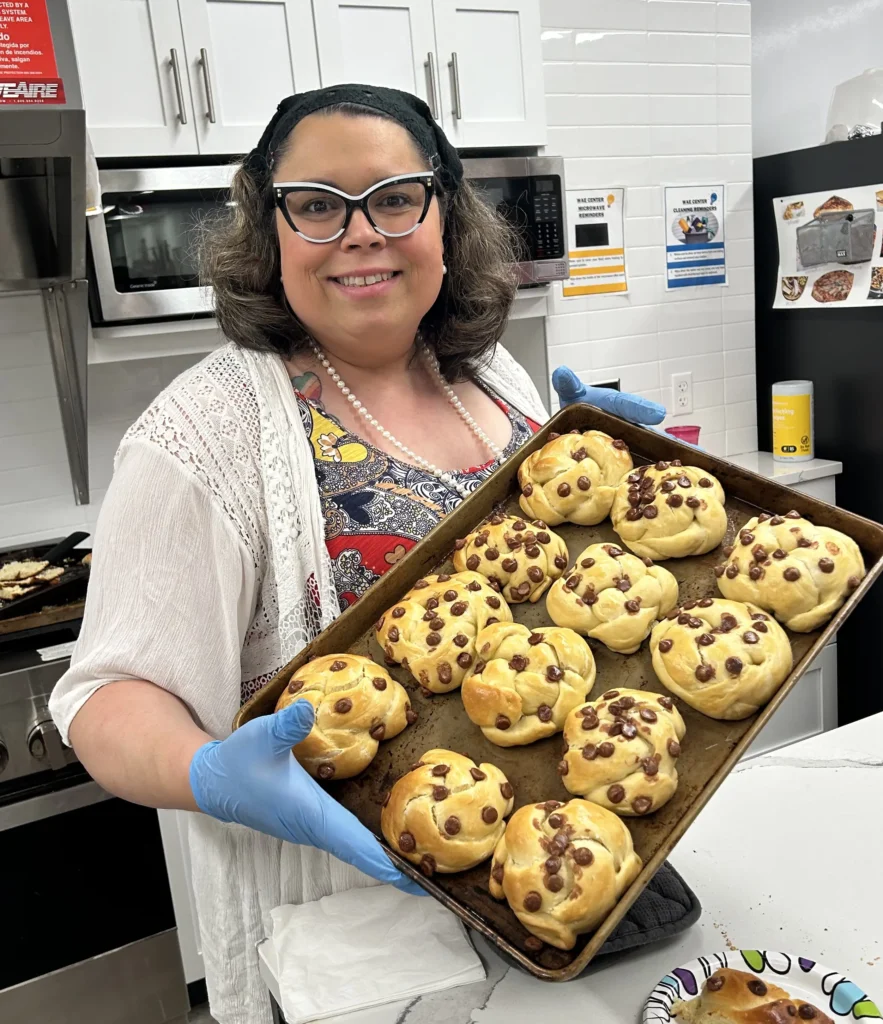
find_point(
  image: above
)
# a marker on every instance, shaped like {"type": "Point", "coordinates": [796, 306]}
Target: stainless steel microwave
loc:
{"type": "Point", "coordinates": [143, 242]}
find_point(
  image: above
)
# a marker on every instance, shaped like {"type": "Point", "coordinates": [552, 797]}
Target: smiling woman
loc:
{"type": "Point", "coordinates": [363, 288]}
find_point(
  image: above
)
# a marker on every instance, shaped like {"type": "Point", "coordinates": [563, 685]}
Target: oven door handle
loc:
{"type": "Point", "coordinates": [47, 805]}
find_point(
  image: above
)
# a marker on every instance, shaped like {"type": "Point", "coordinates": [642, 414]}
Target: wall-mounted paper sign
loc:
{"type": "Point", "coordinates": [28, 72]}
{"type": "Point", "coordinates": [695, 252]}
{"type": "Point", "coordinates": [596, 242]}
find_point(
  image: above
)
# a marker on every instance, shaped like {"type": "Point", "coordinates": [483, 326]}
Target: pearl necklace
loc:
{"type": "Point", "coordinates": [435, 372]}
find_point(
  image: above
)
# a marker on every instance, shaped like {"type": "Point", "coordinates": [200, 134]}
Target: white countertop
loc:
{"type": "Point", "coordinates": [788, 473]}
{"type": "Point", "coordinates": [785, 857]}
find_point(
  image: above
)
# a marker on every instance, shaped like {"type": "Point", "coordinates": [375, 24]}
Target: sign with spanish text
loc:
{"type": "Point", "coordinates": [595, 242]}
{"type": "Point", "coordinates": [695, 253]}
{"type": "Point", "coordinates": [28, 72]}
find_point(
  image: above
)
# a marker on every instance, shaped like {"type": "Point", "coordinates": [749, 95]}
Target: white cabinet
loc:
{"type": "Point", "coordinates": [243, 57]}
{"type": "Point", "coordinates": [477, 64]}
{"type": "Point", "coordinates": [133, 73]}
{"type": "Point", "coordinates": [491, 78]}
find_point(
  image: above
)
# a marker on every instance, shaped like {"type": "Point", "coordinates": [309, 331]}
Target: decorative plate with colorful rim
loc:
{"type": "Point", "coordinates": [802, 978]}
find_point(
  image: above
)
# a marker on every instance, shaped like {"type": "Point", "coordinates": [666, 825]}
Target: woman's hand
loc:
{"type": "Point", "coordinates": [252, 778]}
{"type": "Point", "coordinates": [633, 408]}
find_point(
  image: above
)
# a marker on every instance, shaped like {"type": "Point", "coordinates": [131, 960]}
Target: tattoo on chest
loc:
{"type": "Point", "coordinates": [309, 385]}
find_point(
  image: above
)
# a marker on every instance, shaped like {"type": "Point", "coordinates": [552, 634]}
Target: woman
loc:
{"type": "Point", "coordinates": [363, 287]}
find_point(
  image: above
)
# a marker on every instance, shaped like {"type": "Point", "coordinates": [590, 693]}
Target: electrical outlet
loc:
{"type": "Point", "coordinates": [682, 393]}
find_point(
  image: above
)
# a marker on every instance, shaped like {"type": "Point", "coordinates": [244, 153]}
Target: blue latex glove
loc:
{"type": "Point", "coordinates": [633, 408]}
{"type": "Point", "coordinates": [252, 778]}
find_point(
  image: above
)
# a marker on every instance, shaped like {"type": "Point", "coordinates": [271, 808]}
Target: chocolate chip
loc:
{"type": "Point", "coordinates": [733, 666]}
{"type": "Point", "coordinates": [761, 627]}
{"type": "Point", "coordinates": [853, 582]}
{"type": "Point", "coordinates": [642, 804]}
{"type": "Point", "coordinates": [445, 673]}
{"type": "Point", "coordinates": [509, 564]}
{"type": "Point", "coordinates": [407, 843]}
{"type": "Point", "coordinates": [427, 864]}
{"type": "Point", "coordinates": [432, 603]}
{"type": "Point", "coordinates": [704, 482]}
{"type": "Point", "coordinates": [732, 572]}
{"type": "Point", "coordinates": [543, 537]}
{"type": "Point", "coordinates": [480, 666]}
{"type": "Point", "coordinates": [633, 514]}
{"type": "Point", "coordinates": [803, 542]}
{"type": "Point", "coordinates": [705, 639]}
{"type": "Point", "coordinates": [492, 601]}
{"type": "Point", "coordinates": [776, 521]}
{"type": "Point", "coordinates": [757, 987]}
{"type": "Point", "coordinates": [564, 489]}
{"type": "Point", "coordinates": [715, 983]}
{"type": "Point", "coordinates": [629, 730]}
{"type": "Point", "coordinates": [807, 1012]}
{"type": "Point", "coordinates": [532, 551]}
{"type": "Point", "coordinates": [544, 713]}
{"type": "Point", "coordinates": [336, 666]}
{"type": "Point", "coordinates": [474, 586]}
{"type": "Point", "coordinates": [527, 490]}
{"type": "Point", "coordinates": [325, 771]}
{"type": "Point", "coordinates": [554, 435]}
{"type": "Point", "coordinates": [693, 502]}
{"type": "Point", "coordinates": [650, 511]}
{"type": "Point", "coordinates": [616, 794]}
{"type": "Point", "coordinates": [590, 719]}
{"type": "Point", "coordinates": [610, 695]}
{"type": "Point", "coordinates": [826, 564]}
{"type": "Point", "coordinates": [502, 722]}
{"type": "Point", "coordinates": [492, 554]}
{"type": "Point", "coordinates": [343, 705]}
{"type": "Point", "coordinates": [674, 748]}
{"type": "Point", "coordinates": [573, 582]}
{"type": "Point", "coordinates": [377, 732]}
{"type": "Point", "coordinates": [433, 639]}
{"type": "Point", "coordinates": [398, 612]}
{"type": "Point", "coordinates": [696, 623]}
{"type": "Point", "coordinates": [298, 684]}
{"type": "Point", "coordinates": [583, 856]}
{"type": "Point", "coordinates": [666, 702]}
{"type": "Point", "coordinates": [666, 645]}
{"type": "Point", "coordinates": [489, 815]}
{"type": "Point", "coordinates": [587, 563]}
{"type": "Point", "coordinates": [750, 637]}
{"type": "Point", "coordinates": [615, 729]}
{"type": "Point", "coordinates": [793, 514]}
{"type": "Point", "coordinates": [620, 445]}
{"type": "Point", "coordinates": [684, 481]}
{"type": "Point", "coordinates": [496, 871]}
{"type": "Point", "coordinates": [650, 765]}
{"type": "Point", "coordinates": [554, 674]}
{"type": "Point", "coordinates": [606, 749]}
{"type": "Point", "coordinates": [689, 606]}
{"type": "Point", "coordinates": [532, 902]}
{"type": "Point", "coordinates": [557, 820]}
{"type": "Point", "coordinates": [473, 562]}
{"type": "Point", "coordinates": [411, 715]}
{"type": "Point", "coordinates": [436, 623]}
{"type": "Point", "coordinates": [648, 714]}
{"type": "Point", "coordinates": [560, 842]}
{"type": "Point", "coordinates": [704, 673]}
{"type": "Point", "coordinates": [633, 607]}
{"type": "Point", "coordinates": [791, 574]}
{"type": "Point", "coordinates": [728, 622]}
{"type": "Point", "coordinates": [755, 572]}
{"type": "Point", "coordinates": [553, 865]}
{"type": "Point", "coordinates": [674, 501]}
{"type": "Point", "coordinates": [507, 790]}
{"type": "Point", "coordinates": [590, 751]}
{"type": "Point", "coordinates": [719, 570]}
{"type": "Point", "coordinates": [440, 792]}
{"type": "Point", "coordinates": [634, 499]}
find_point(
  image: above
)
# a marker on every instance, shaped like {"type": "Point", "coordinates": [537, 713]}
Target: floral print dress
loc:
{"type": "Point", "coordinates": [377, 507]}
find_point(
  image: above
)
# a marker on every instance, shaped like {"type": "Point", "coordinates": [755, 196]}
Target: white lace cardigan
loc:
{"type": "Point", "coordinates": [210, 572]}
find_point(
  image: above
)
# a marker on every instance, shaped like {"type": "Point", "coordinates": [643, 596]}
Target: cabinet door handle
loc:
{"type": "Point", "coordinates": [429, 64]}
{"type": "Point", "coordinates": [207, 78]}
{"type": "Point", "coordinates": [455, 67]}
{"type": "Point", "coordinates": [179, 92]}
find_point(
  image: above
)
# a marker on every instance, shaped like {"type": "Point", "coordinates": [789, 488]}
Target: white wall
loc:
{"type": "Point", "coordinates": [641, 93]}
{"type": "Point", "coordinates": [801, 50]}
{"type": "Point", "coordinates": [36, 496]}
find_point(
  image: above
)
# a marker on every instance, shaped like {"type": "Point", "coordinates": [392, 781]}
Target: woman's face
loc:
{"type": "Point", "coordinates": [365, 325]}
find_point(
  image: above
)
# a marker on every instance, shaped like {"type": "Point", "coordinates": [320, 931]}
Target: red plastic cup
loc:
{"type": "Point", "coordinates": [685, 433]}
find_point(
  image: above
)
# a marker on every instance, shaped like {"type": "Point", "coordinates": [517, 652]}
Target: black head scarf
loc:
{"type": "Point", "coordinates": [409, 111]}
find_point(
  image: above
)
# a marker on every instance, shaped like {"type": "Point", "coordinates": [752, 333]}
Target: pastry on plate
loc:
{"type": "Point", "coordinates": [573, 477]}
{"type": "Point", "coordinates": [622, 751]}
{"type": "Point", "coordinates": [358, 704]}
{"type": "Point", "coordinates": [793, 210]}
{"type": "Point", "coordinates": [834, 286]}
{"type": "Point", "coordinates": [521, 558]}
{"type": "Point", "coordinates": [836, 204]}
{"type": "Point", "coordinates": [562, 868]}
{"type": "Point", "coordinates": [800, 572]}
{"type": "Point", "coordinates": [737, 997]}
{"type": "Point", "coordinates": [525, 682]}
{"type": "Point", "coordinates": [668, 510]}
{"type": "Point", "coordinates": [724, 658]}
{"type": "Point", "coordinates": [792, 287]}
{"type": "Point", "coordinates": [432, 629]}
{"type": "Point", "coordinates": [612, 596]}
{"type": "Point", "coordinates": [447, 813]}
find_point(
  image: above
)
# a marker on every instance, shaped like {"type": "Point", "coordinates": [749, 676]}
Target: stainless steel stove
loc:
{"type": "Point", "coordinates": [89, 931]}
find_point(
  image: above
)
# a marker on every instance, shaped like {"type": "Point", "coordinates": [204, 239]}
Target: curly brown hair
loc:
{"type": "Point", "coordinates": [240, 260]}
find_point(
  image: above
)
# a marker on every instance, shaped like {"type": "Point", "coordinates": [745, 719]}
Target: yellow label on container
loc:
{"type": "Point", "coordinates": [791, 425]}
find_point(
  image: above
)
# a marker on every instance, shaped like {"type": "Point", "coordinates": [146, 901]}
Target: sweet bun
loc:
{"type": "Point", "coordinates": [612, 596]}
{"type": "Point", "coordinates": [526, 682]}
{"type": "Point", "coordinates": [622, 751]}
{"type": "Point", "coordinates": [562, 868]}
{"type": "Point", "coordinates": [724, 658]}
{"type": "Point", "coordinates": [573, 477]}
{"type": "Point", "coordinates": [668, 510]}
{"type": "Point", "coordinates": [737, 997]}
{"type": "Point", "coordinates": [520, 558]}
{"type": "Point", "coordinates": [800, 572]}
{"type": "Point", "coordinates": [432, 630]}
{"type": "Point", "coordinates": [357, 705]}
{"type": "Point", "coordinates": [447, 813]}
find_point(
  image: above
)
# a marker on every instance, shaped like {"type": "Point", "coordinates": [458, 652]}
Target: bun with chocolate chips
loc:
{"type": "Point", "coordinates": [621, 751]}
{"type": "Point", "coordinates": [573, 477]}
{"type": "Point", "coordinates": [724, 658]}
{"type": "Point", "coordinates": [668, 510]}
{"type": "Point", "coordinates": [358, 704]}
{"type": "Point", "coordinates": [737, 997]}
{"type": "Point", "coordinates": [800, 572]}
{"type": "Point", "coordinates": [562, 868]}
{"type": "Point", "coordinates": [525, 682]}
{"type": "Point", "coordinates": [432, 630]}
{"type": "Point", "coordinates": [612, 596]}
{"type": "Point", "coordinates": [447, 813]}
{"type": "Point", "coordinates": [522, 559]}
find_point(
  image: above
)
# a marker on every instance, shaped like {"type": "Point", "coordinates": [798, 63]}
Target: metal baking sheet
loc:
{"type": "Point", "coordinates": [710, 750]}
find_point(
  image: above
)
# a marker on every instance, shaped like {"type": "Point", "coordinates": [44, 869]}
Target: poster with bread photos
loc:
{"type": "Point", "coordinates": [830, 248]}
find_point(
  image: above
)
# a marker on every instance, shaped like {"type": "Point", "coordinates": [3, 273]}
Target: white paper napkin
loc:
{"type": "Point", "coordinates": [366, 947]}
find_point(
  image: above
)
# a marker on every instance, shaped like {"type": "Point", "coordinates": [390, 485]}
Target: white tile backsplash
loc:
{"type": "Point", "coordinates": [682, 15]}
